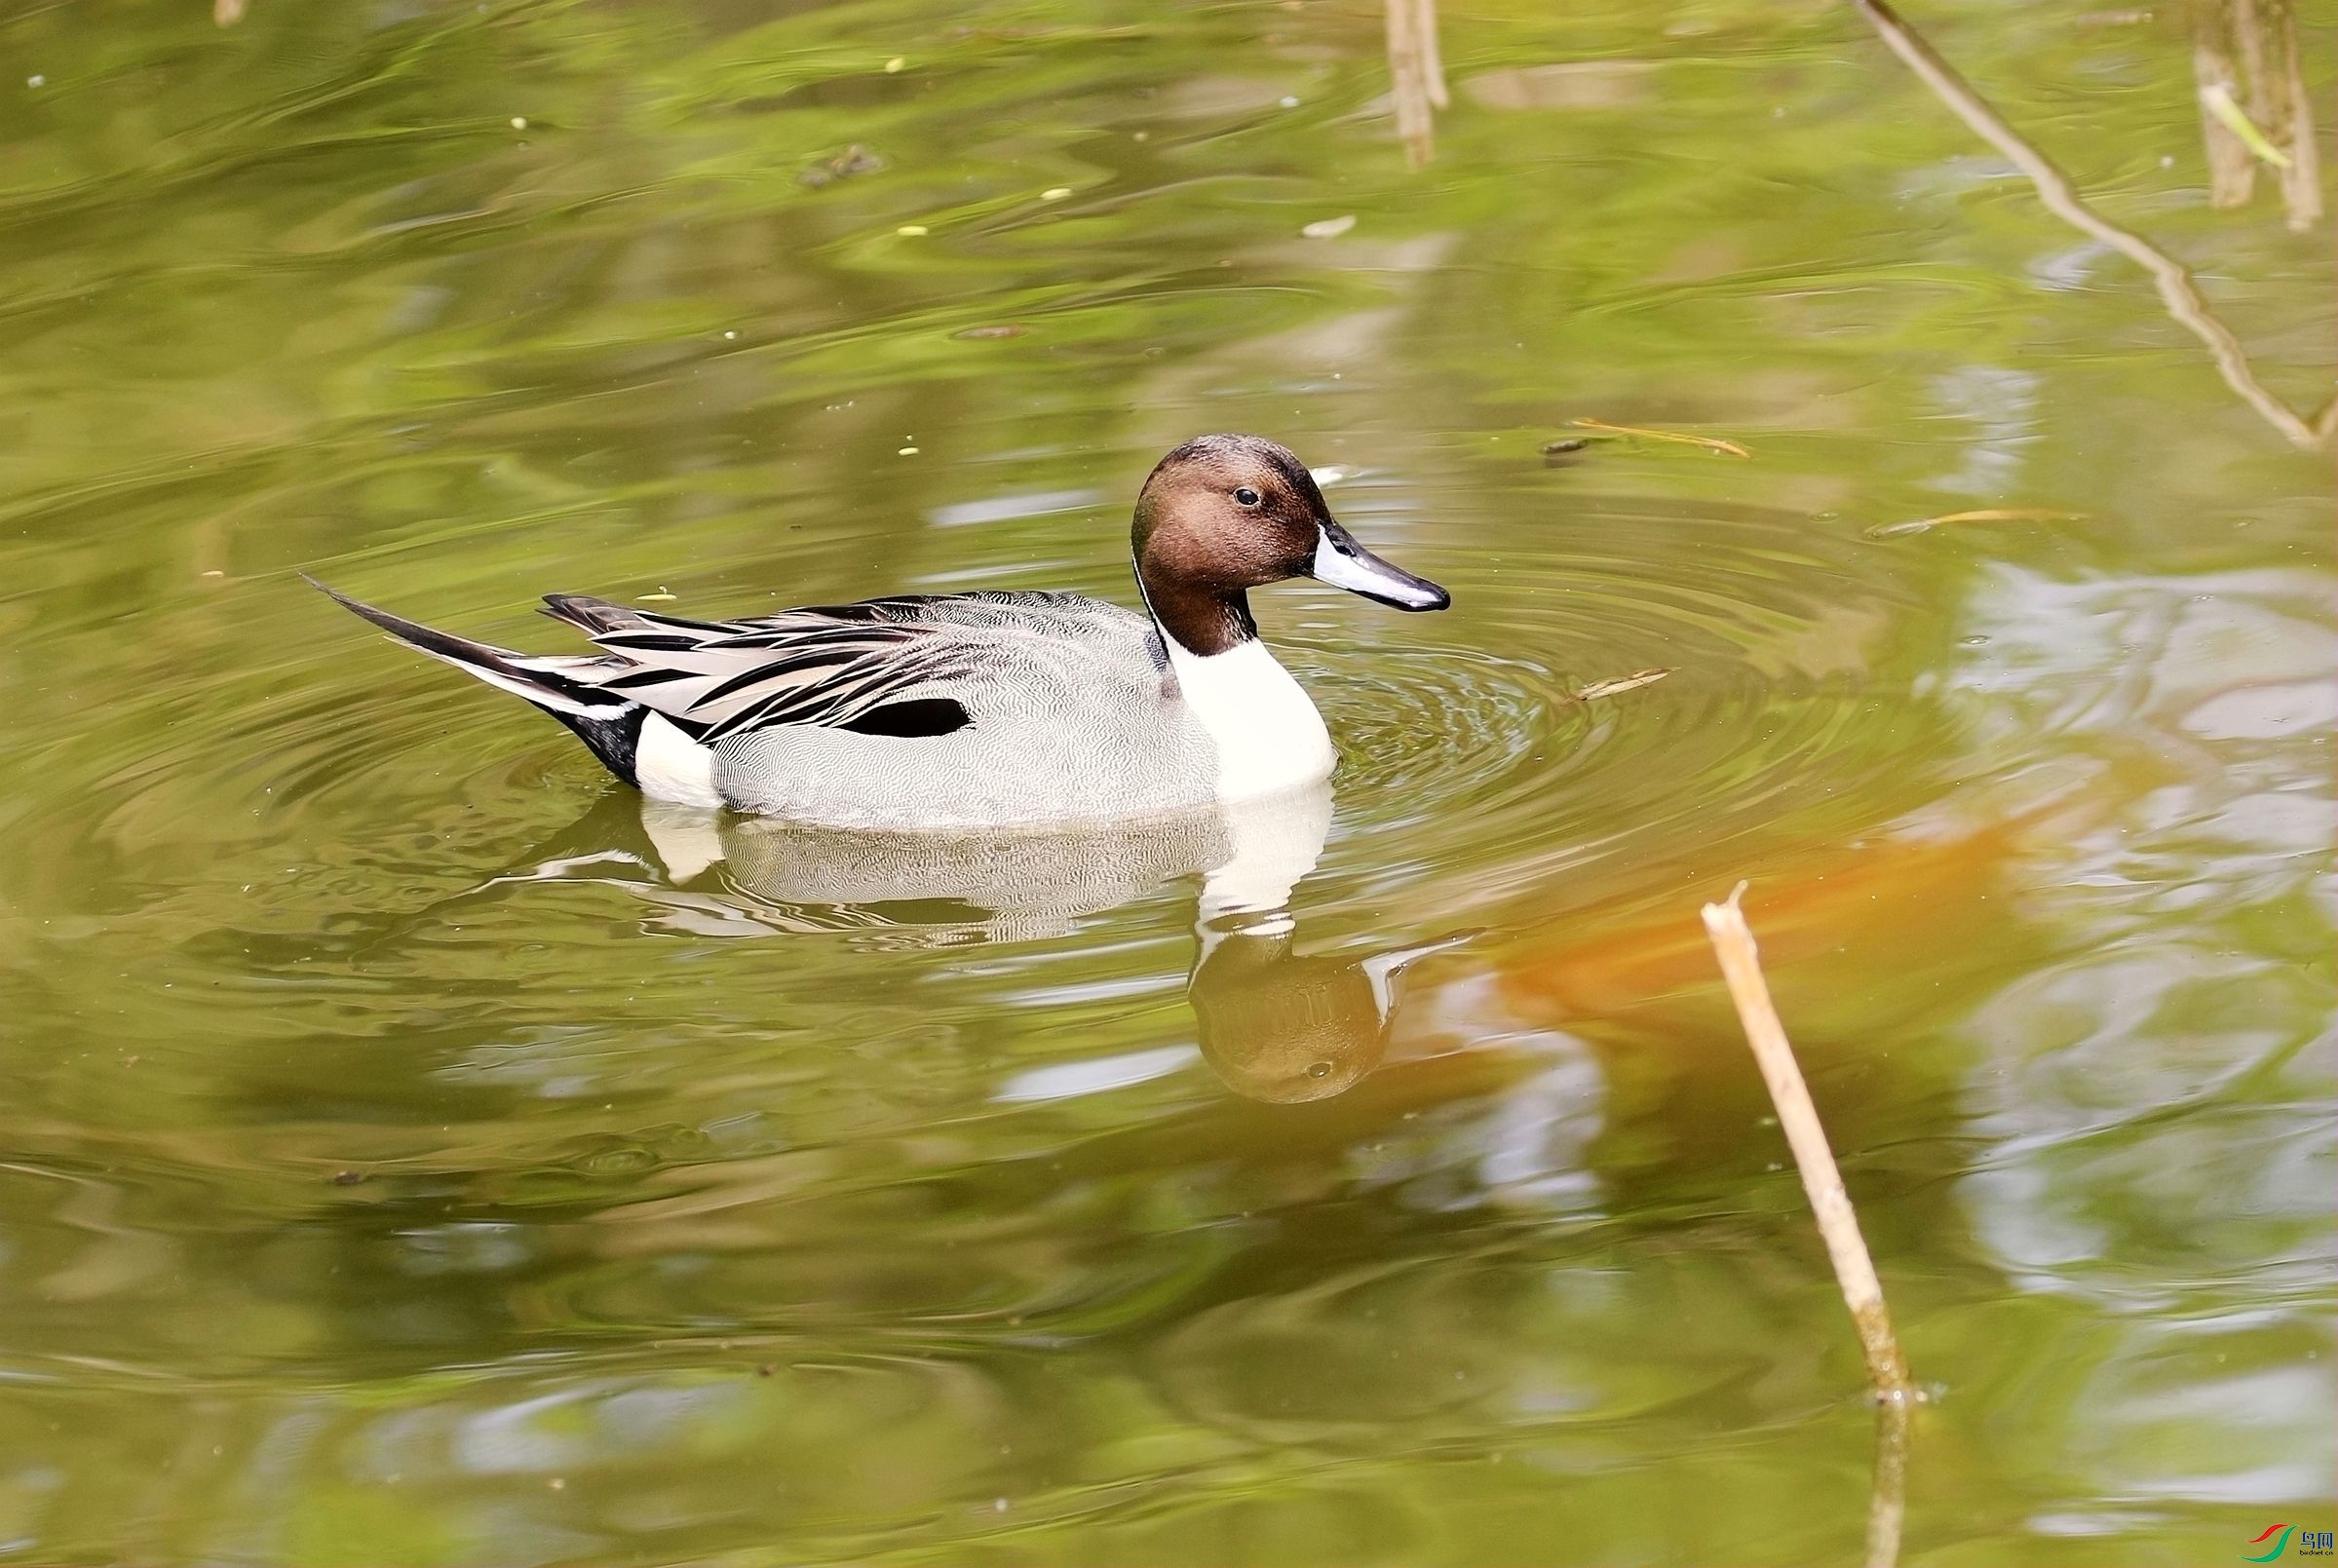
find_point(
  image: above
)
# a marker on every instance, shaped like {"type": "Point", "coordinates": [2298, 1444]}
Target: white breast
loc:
{"type": "Point", "coordinates": [1267, 735]}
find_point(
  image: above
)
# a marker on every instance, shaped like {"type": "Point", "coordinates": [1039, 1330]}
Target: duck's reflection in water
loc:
{"type": "Point", "coordinates": [1282, 1026]}
{"type": "Point", "coordinates": [1274, 1024]}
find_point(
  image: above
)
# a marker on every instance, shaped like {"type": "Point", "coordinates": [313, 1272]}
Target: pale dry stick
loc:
{"type": "Point", "coordinates": [2301, 181]}
{"type": "Point", "coordinates": [2280, 116]}
{"type": "Point", "coordinates": [1887, 1496]}
{"type": "Point", "coordinates": [2250, 30]}
{"type": "Point", "coordinates": [1432, 57]}
{"type": "Point", "coordinates": [1838, 1223]}
{"type": "Point", "coordinates": [2176, 290]}
{"type": "Point", "coordinates": [1408, 82]}
{"type": "Point", "coordinates": [2232, 171]}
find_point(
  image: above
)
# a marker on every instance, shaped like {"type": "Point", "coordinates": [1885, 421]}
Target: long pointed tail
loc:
{"type": "Point", "coordinates": [537, 679]}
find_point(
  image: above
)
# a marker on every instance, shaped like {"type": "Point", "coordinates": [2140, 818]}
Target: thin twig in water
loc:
{"type": "Point", "coordinates": [1620, 685]}
{"type": "Point", "coordinates": [1838, 1224]}
{"type": "Point", "coordinates": [1891, 530]}
{"type": "Point", "coordinates": [1887, 1495]}
{"type": "Point", "coordinates": [1711, 443]}
{"type": "Point", "coordinates": [1432, 57]}
{"type": "Point", "coordinates": [2177, 292]}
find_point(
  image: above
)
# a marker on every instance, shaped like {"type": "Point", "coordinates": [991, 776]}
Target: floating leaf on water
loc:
{"type": "Point", "coordinates": [1711, 443]}
{"type": "Point", "coordinates": [2218, 101]}
{"type": "Point", "coordinates": [1620, 684]}
{"type": "Point", "coordinates": [991, 330]}
{"type": "Point", "coordinates": [1330, 228]}
{"type": "Point", "coordinates": [1891, 530]}
{"type": "Point", "coordinates": [661, 597]}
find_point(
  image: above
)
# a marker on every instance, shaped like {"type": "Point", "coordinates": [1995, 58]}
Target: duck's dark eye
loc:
{"type": "Point", "coordinates": [1246, 497]}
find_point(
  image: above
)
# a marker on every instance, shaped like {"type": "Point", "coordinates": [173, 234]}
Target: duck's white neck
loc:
{"type": "Point", "coordinates": [1269, 737]}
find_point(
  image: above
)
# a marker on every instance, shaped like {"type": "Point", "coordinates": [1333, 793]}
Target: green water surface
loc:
{"type": "Point", "coordinates": [410, 1155]}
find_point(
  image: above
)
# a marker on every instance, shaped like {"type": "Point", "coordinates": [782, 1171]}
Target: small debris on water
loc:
{"type": "Point", "coordinates": [991, 330]}
{"type": "Point", "coordinates": [893, 66]}
{"type": "Point", "coordinates": [520, 121]}
{"type": "Point", "coordinates": [36, 80]}
{"type": "Point", "coordinates": [1565, 444]}
{"type": "Point", "coordinates": [1330, 474]}
{"type": "Point", "coordinates": [1054, 193]}
{"type": "Point", "coordinates": [1620, 684]}
{"type": "Point", "coordinates": [1893, 530]}
{"type": "Point", "coordinates": [1330, 228]}
{"type": "Point", "coordinates": [1711, 443]}
{"type": "Point", "coordinates": [661, 597]}
{"type": "Point", "coordinates": [913, 231]}
{"type": "Point", "coordinates": [907, 452]}
{"type": "Point", "coordinates": [855, 159]}
{"type": "Point", "coordinates": [346, 1178]}
{"type": "Point", "coordinates": [2217, 100]}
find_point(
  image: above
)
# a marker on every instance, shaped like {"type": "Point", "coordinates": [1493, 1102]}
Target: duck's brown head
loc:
{"type": "Point", "coordinates": [1222, 515]}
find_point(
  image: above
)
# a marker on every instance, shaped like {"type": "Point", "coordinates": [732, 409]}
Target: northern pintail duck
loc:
{"type": "Point", "coordinates": [985, 709]}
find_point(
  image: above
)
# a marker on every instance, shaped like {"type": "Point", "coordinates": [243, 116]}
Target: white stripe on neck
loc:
{"type": "Point", "coordinates": [1269, 737]}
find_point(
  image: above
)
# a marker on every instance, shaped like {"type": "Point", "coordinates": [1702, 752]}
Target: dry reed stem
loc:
{"type": "Point", "coordinates": [1432, 57]}
{"type": "Point", "coordinates": [2301, 181]}
{"type": "Point", "coordinates": [2179, 294]}
{"type": "Point", "coordinates": [1838, 1223]}
{"type": "Point", "coordinates": [2232, 171]}
{"type": "Point", "coordinates": [1887, 1493]}
{"type": "Point", "coordinates": [1408, 77]}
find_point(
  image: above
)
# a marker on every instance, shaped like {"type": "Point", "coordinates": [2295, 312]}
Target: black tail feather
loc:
{"type": "Point", "coordinates": [610, 725]}
{"type": "Point", "coordinates": [586, 612]}
{"type": "Point", "coordinates": [445, 644]}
